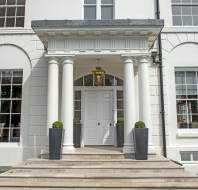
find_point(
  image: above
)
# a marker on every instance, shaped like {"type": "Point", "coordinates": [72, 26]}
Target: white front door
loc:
{"type": "Point", "coordinates": [99, 129]}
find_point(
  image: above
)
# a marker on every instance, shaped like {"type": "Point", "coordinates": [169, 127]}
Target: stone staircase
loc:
{"type": "Point", "coordinates": [108, 171]}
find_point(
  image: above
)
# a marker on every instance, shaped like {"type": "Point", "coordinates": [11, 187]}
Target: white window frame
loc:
{"type": "Point", "coordinates": [15, 16]}
{"type": "Point", "coordinates": [191, 4]}
{"type": "Point", "coordinates": [99, 9]}
{"type": "Point", "coordinates": [10, 129]}
{"type": "Point", "coordinates": [186, 99]}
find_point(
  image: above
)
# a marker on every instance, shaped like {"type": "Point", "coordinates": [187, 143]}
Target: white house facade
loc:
{"type": "Point", "coordinates": [92, 60]}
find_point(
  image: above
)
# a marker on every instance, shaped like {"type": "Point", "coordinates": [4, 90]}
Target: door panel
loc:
{"type": "Point", "coordinates": [99, 128]}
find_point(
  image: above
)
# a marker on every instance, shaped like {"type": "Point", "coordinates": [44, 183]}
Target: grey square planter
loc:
{"type": "Point", "coordinates": [141, 143]}
{"type": "Point", "coordinates": [120, 134]}
{"type": "Point", "coordinates": [77, 135]}
{"type": "Point", "coordinates": [55, 143]}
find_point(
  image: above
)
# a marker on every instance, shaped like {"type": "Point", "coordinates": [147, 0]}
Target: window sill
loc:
{"type": "Point", "coordinates": [187, 133]}
{"type": "Point", "coordinates": [180, 29]}
{"type": "Point", "coordinates": [16, 31]}
{"type": "Point", "coordinates": [11, 145]}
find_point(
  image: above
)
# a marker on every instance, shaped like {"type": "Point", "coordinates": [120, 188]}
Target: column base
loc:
{"type": "Point", "coordinates": [68, 149]}
{"type": "Point", "coordinates": [128, 149]}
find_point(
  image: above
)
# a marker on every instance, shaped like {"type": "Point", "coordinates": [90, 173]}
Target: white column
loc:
{"type": "Point", "coordinates": [53, 89]}
{"type": "Point", "coordinates": [129, 104]}
{"type": "Point", "coordinates": [144, 95]}
{"type": "Point", "coordinates": [67, 104]}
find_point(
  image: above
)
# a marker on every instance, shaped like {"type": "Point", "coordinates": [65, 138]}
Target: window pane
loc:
{"type": "Point", "coordinates": [192, 106]}
{"type": "Point", "coordinates": [186, 10]}
{"type": "Point", "coordinates": [79, 82]}
{"type": "Point", "coordinates": [109, 80]}
{"type": "Point", "coordinates": [20, 22]}
{"type": "Point", "coordinates": [5, 120]}
{"type": "Point", "coordinates": [15, 120]}
{"type": "Point", "coordinates": [77, 114]}
{"type": "Point", "coordinates": [77, 105]}
{"type": "Point", "coordinates": [16, 91]}
{"type": "Point", "coordinates": [107, 2]}
{"type": "Point", "coordinates": [118, 82]}
{"type": "Point", "coordinates": [193, 119]}
{"type": "Point", "coordinates": [77, 95]}
{"type": "Point", "coordinates": [192, 91]}
{"type": "Point", "coordinates": [107, 12]}
{"type": "Point", "coordinates": [11, 2]}
{"type": "Point", "coordinates": [181, 107]}
{"type": "Point", "coordinates": [195, 156]}
{"type": "Point", "coordinates": [17, 80]}
{"type": "Point", "coordinates": [17, 73]}
{"type": "Point", "coordinates": [4, 134]}
{"type": "Point", "coordinates": [185, 156]}
{"type": "Point", "coordinates": [182, 121]}
{"type": "Point", "coordinates": [88, 80]}
{"type": "Point", "coordinates": [177, 20]}
{"type": "Point", "coordinates": [90, 1]}
{"type": "Point", "coordinates": [20, 2]}
{"type": "Point", "coordinates": [186, 1]}
{"type": "Point", "coordinates": [176, 10]}
{"type": "Point", "coordinates": [6, 77]}
{"type": "Point", "coordinates": [2, 20]}
{"type": "Point", "coordinates": [5, 91]}
{"type": "Point", "coordinates": [120, 114]}
{"type": "Point", "coordinates": [195, 20]}
{"type": "Point", "coordinates": [2, 11]}
{"type": "Point", "coordinates": [181, 91]}
{"type": "Point", "coordinates": [10, 22]}
{"type": "Point", "coordinates": [191, 78]}
{"type": "Point", "coordinates": [187, 20]}
{"type": "Point", "coordinates": [16, 106]}
{"type": "Point", "coordinates": [90, 13]}
{"type": "Point", "coordinates": [120, 104]}
{"type": "Point", "coordinates": [20, 11]}
{"type": "Point", "coordinates": [11, 11]}
{"type": "Point", "coordinates": [119, 94]}
{"type": "Point", "coordinates": [2, 2]}
{"type": "Point", "coordinates": [5, 106]}
{"type": "Point", "coordinates": [176, 1]}
{"type": "Point", "coordinates": [195, 10]}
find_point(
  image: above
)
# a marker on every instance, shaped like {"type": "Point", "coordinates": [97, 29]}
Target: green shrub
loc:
{"type": "Point", "coordinates": [57, 124]}
{"type": "Point", "coordinates": [139, 124]}
{"type": "Point", "coordinates": [76, 120]}
{"type": "Point", "coordinates": [120, 120]}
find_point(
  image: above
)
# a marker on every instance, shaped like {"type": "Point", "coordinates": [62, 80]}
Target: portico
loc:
{"type": "Point", "coordinates": [71, 44]}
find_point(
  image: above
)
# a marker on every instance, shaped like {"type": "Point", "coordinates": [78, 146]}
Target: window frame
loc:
{"type": "Point", "coordinates": [99, 6]}
{"type": "Point", "coordinates": [191, 15]}
{"type": "Point", "coordinates": [11, 113]}
{"type": "Point", "coordinates": [16, 17]}
{"type": "Point", "coordinates": [186, 98]}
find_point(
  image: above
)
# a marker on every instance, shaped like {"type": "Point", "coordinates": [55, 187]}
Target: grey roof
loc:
{"type": "Point", "coordinates": [125, 23]}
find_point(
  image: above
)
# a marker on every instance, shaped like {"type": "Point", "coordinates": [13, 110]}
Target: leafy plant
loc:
{"type": "Point", "coordinates": [139, 124]}
{"type": "Point", "coordinates": [120, 120]}
{"type": "Point", "coordinates": [76, 120]}
{"type": "Point", "coordinates": [57, 124]}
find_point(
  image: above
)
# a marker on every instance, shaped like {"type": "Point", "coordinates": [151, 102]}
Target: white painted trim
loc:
{"type": "Point", "coordinates": [180, 29]}
{"type": "Point", "coordinates": [15, 31]}
{"type": "Point", "coordinates": [187, 133]}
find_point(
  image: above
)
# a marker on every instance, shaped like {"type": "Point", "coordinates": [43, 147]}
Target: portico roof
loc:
{"type": "Point", "coordinates": [142, 28]}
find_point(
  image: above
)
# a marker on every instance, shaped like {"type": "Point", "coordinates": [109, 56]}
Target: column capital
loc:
{"type": "Point", "coordinates": [144, 59]}
{"type": "Point", "coordinates": [127, 58]}
{"type": "Point", "coordinates": [68, 59]}
{"type": "Point", "coordinates": [53, 60]}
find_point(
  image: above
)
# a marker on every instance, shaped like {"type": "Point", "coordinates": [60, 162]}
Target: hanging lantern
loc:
{"type": "Point", "coordinates": [99, 76]}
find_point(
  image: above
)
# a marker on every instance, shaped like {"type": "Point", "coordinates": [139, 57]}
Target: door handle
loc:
{"type": "Point", "coordinates": [98, 123]}
{"type": "Point", "coordinates": [110, 125]}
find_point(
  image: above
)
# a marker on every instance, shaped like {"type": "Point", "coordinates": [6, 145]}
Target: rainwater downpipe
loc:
{"type": "Point", "coordinates": [159, 47]}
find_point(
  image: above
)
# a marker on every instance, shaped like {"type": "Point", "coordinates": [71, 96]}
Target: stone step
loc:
{"type": "Point", "coordinates": [100, 155]}
{"type": "Point", "coordinates": [187, 182]}
{"type": "Point", "coordinates": [137, 171]}
{"type": "Point", "coordinates": [48, 173]}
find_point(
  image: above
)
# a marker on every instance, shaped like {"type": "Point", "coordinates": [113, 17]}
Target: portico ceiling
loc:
{"type": "Point", "coordinates": [128, 31]}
